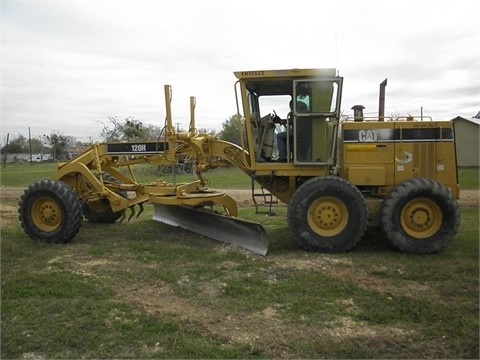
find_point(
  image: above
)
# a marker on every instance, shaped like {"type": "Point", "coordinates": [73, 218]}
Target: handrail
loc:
{"type": "Point", "coordinates": [389, 118]}
{"type": "Point", "coordinates": [368, 118]}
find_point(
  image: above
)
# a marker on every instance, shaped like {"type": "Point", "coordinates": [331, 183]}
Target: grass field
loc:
{"type": "Point", "coordinates": [147, 290]}
{"type": "Point", "coordinates": [23, 175]}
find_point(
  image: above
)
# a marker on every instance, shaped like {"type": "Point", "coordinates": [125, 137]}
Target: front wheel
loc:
{"type": "Point", "coordinates": [327, 214]}
{"type": "Point", "coordinates": [420, 216]}
{"type": "Point", "coordinates": [50, 212]}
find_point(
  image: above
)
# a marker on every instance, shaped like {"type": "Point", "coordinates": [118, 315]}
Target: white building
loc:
{"type": "Point", "coordinates": [467, 135]}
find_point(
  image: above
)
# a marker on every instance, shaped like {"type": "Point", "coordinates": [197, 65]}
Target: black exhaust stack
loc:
{"type": "Point", "coordinates": [381, 101]}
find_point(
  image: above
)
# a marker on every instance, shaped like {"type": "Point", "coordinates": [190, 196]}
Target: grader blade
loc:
{"type": "Point", "coordinates": [249, 235]}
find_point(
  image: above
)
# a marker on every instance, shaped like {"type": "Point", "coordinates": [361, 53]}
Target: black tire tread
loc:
{"type": "Point", "coordinates": [404, 192]}
{"type": "Point", "coordinates": [61, 193]}
{"type": "Point", "coordinates": [327, 186]}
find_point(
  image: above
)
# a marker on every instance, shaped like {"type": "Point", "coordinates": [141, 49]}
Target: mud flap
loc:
{"type": "Point", "coordinates": [232, 230]}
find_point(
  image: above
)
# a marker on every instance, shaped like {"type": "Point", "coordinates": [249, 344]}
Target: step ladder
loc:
{"type": "Point", "coordinates": [263, 198]}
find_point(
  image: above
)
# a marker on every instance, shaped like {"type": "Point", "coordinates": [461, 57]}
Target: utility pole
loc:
{"type": "Point", "coordinates": [6, 151]}
{"type": "Point", "coordinates": [30, 145]}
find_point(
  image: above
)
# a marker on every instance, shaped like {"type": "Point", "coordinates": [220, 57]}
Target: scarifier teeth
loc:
{"type": "Point", "coordinates": [141, 209]}
{"type": "Point", "coordinates": [132, 208]}
{"type": "Point", "coordinates": [122, 218]}
{"type": "Point", "coordinates": [132, 214]}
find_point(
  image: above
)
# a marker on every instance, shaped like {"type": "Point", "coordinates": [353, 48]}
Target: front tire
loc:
{"type": "Point", "coordinates": [50, 212]}
{"type": "Point", "coordinates": [420, 216]}
{"type": "Point", "coordinates": [327, 214]}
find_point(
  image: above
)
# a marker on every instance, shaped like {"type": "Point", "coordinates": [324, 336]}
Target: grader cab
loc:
{"type": "Point", "coordinates": [336, 175]}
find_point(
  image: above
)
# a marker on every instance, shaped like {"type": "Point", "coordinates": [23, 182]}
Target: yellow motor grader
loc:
{"type": "Point", "coordinates": [337, 175]}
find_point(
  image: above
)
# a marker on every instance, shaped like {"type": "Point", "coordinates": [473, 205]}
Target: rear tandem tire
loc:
{"type": "Point", "coordinates": [327, 214]}
{"type": "Point", "coordinates": [50, 212]}
{"type": "Point", "coordinates": [420, 216]}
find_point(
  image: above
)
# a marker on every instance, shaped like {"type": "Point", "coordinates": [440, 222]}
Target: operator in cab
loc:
{"type": "Point", "coordinates": [282, 136]}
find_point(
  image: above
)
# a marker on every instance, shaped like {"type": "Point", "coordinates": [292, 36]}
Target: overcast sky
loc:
{"type": "Point", "coordinates": [67, 65]}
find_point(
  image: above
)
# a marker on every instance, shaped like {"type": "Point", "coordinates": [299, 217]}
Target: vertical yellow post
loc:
{"type": "Point", "coordinates": [191, 128]}
{"type": "Point", "coordinates": [170, 132]}
{"type": "Point", "coordinates": [168, 109]}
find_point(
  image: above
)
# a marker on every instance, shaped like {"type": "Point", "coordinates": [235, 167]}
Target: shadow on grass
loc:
{"type": "Point", "coordinates": [373, 241]}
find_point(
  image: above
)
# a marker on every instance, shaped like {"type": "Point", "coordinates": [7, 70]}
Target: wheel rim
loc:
{"type": "Point", "coordinates": [46, 214]}
{"type": "Point", "coordinates": [421, 218]}
{"type": "Point", "coordinates": [327, 216]}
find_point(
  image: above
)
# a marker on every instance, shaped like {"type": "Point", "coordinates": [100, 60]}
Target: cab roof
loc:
{"type": "Point", "coordinates": [256, 74]}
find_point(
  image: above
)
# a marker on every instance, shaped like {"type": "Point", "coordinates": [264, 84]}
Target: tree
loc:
{"type": "Point", "coordinates": [59, 143]}
{"type": "Point", "coordinates": [231, 129]}
{"type": "Point", "coordinates": [20, 144]}
{"type": "Point", "coordinates": [111, 130]}
{"type": "Point", "coordinates": [16, 145]}
{"type": "Point", "coordinates": [132, 129]}
{"type": "Point", "coordinates": [154, 132]}
{"type": "Point", "coordinates": [129, 129]}
{"type": "Point", "coordinates": [37, 146]}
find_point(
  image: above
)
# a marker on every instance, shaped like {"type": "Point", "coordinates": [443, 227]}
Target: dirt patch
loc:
{"type": "Point", "coordinates": [9, 194]}
{"type": "Point", "coordinates": [243, 198]}
{"type": "Point", "coordinates": [8, 214]}
{"type": "Point", "coordinates": [469, 198]}
{"type": "Point", "coordinates": [9, 198]}
{"type": "Point", "coordinates": [263, 329]}
{"type": "Point", "coordinates": [343, 269]}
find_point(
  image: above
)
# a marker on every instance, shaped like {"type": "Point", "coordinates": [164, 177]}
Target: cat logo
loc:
{"type": "Point", "coordinates": [367, 136]}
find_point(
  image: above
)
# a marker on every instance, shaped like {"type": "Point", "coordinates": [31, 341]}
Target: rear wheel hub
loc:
{"type": "Point", "coordinates": [421, 218]}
